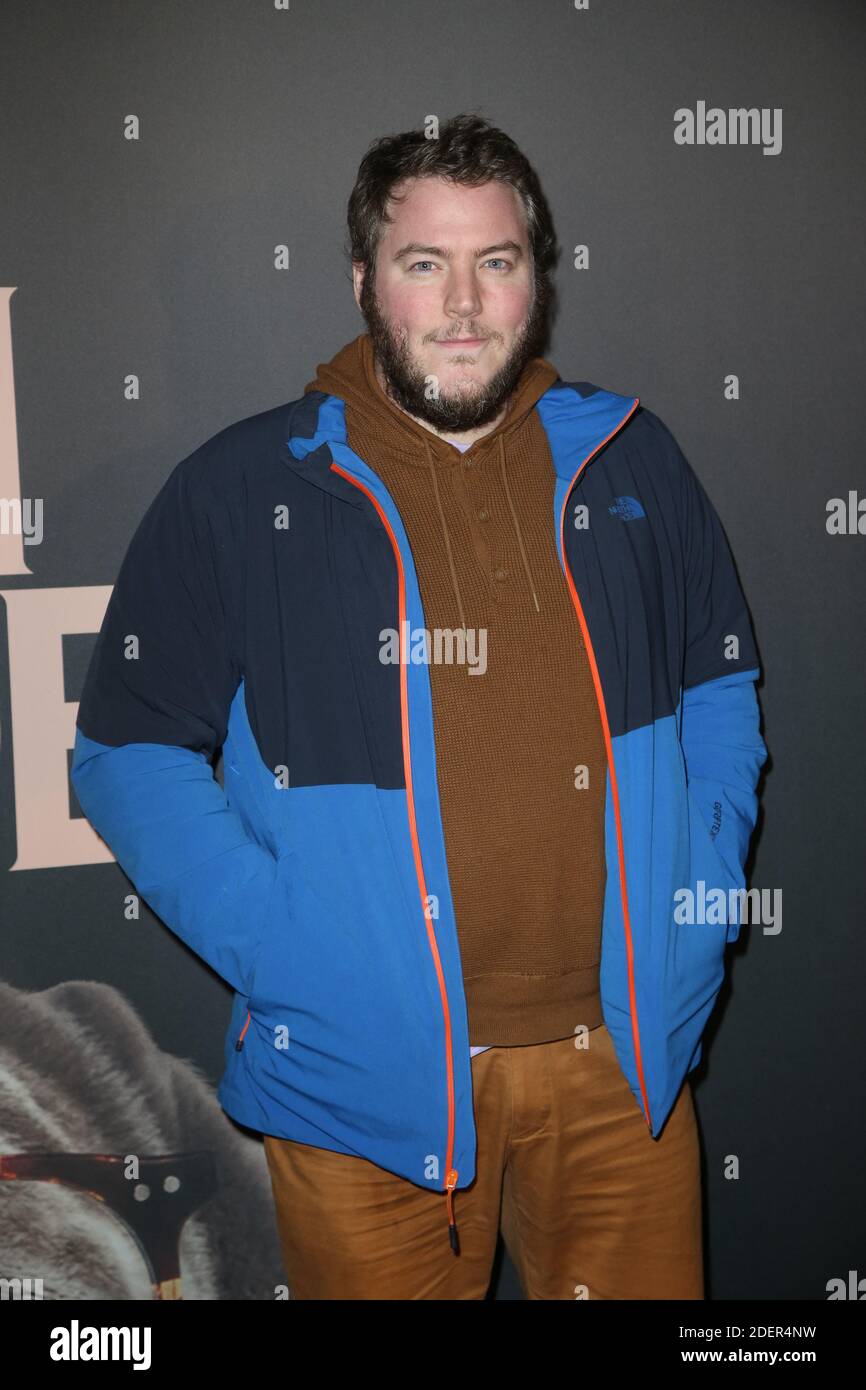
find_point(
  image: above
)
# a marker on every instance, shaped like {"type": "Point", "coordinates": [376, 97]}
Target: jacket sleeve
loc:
{"type": "Point", "coordinates": [154, 710]}
{"type": "Point", "coordinates": [720, 717]}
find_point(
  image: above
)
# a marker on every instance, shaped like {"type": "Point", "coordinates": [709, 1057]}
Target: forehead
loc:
{"type": "Point", "coordinates": [452, 214]}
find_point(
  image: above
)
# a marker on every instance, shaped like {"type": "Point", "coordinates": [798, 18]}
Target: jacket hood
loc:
{"type": "Point", "coordinates": [351, 376]}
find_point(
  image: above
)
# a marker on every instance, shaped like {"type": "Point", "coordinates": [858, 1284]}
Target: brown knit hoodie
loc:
{"type": "Point", "coordinates": [524, 828]}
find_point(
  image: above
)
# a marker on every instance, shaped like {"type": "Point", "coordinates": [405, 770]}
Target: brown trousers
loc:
{"type": "Point", "coordinates": [589, 1204]}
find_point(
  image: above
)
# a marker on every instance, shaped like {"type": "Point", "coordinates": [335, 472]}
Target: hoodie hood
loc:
{"type": "Point", "coordinates": [351, 377]}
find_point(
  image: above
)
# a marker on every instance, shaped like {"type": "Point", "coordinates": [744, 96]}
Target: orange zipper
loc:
{"type": "Point", "coordinates": [451, 1174]}
{"type": "Point", "coordinates": [599, 695]}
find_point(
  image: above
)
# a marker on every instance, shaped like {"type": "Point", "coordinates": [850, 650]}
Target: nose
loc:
{"type": "Point", "coordinates": [463, 297]}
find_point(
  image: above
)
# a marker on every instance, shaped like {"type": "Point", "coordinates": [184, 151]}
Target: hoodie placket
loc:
{"type": "Point", "coordinates": [473, 489]}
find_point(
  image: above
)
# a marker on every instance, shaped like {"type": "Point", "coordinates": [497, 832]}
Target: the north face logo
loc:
{"type": "Point", "coordinates": [626, 508]}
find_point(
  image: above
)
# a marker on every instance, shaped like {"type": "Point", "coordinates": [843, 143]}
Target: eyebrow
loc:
{"type": "Point", "coordinates": [414, 248]}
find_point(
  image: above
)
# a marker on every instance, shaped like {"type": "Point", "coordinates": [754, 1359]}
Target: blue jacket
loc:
{"type": "Point", "coordinates": [246, 615]}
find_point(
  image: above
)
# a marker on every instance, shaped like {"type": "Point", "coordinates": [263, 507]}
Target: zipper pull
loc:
{"type": "Point", "coordinates": [451, 1183]}
{"type": "Point", "coordinates": [240, 1042]}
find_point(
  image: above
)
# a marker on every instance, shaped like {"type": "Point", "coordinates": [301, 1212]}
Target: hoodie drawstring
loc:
{"type": "Point", "coordinates": [446, 537]}
{"type": "Point", "coordinates": [516, 524]}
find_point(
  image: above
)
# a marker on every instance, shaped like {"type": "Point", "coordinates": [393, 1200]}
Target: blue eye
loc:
{"type": "Point", "coordinates": [506, 265]}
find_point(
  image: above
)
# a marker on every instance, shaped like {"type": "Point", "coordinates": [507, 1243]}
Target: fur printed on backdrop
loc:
{"type": "Point", "coordinates": [81, 1074]}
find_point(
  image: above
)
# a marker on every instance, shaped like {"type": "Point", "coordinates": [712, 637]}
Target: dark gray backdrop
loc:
{"type": "Point", "coordinates": [155, 257]}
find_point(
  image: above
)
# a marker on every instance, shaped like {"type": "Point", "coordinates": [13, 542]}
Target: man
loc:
{"type": "Point", "coordinates": [473, 641]}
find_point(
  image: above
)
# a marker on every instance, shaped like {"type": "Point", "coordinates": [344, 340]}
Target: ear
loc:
{"type": "Point", "coordinates": [357, 280]}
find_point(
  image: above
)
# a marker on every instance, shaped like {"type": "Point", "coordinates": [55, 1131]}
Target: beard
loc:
{"type": "Point", "coordinates": [452, 412]}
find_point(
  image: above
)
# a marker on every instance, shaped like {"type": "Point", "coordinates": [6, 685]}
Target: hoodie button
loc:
{"type": "Point", "coordinates": [468, 462]}
{"type": "Point", "coordinates": [500, 573]}
{"type": "Point", "coordinates": [483, 514]}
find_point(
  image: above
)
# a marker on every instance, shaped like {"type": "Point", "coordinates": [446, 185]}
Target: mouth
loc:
{"type": "Point", "coordinates": [464, 343]}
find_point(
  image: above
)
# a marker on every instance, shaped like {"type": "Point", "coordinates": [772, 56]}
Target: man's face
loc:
{"type": "Point", "coordinates": [452, 309]}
